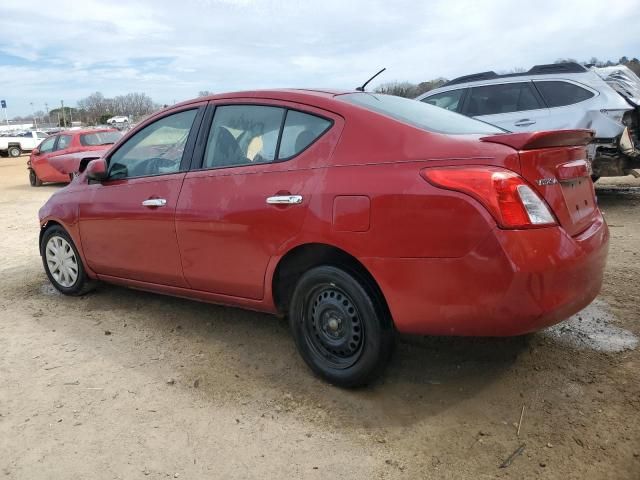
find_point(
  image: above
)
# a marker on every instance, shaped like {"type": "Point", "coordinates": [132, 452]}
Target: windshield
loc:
{"type": "Point", "coordinates": [420, 114]}
{"type": "Point", "coordinates": [99, 138]}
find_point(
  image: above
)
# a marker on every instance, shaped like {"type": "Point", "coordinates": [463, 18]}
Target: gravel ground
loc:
{"type": "Point", "coordinates": [123, 384]}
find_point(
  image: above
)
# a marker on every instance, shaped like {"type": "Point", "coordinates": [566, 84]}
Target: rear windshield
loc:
{"type": "Point", "coordinates": [420, 114]}
{"type": "Point", "coordinates": [99, 138]}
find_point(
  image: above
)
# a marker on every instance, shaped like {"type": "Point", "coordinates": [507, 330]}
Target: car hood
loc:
{"type": "Point", "coordinates": [70, 162]}
{"type": "Point", "coordinates": [622, 80]}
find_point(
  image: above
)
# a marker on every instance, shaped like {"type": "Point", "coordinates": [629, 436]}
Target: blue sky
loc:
{"type": "Point", "coordinates": [65, 50]}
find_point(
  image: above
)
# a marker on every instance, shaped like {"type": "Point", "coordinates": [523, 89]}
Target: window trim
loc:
{"type": "Point", "coordinates": [197, 165]}
{"type": "Point", "coordinates": [186, 153]}
{"type": "Point", "coordinates": [594, 93]}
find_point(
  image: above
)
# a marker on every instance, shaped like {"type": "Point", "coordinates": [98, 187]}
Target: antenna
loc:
{"type": "Point", "coordinates": [361, 89]}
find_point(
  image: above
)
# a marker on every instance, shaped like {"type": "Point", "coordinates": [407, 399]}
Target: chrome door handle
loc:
{"type": "Point", "coordinates": [284, 200]}
{"type": "Point", "coordinates": [154, 202]}
{"type": "Point", "coordinates": [525, 122]}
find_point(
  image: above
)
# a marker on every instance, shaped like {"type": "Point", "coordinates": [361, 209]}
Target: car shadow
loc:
{"type": "Point", "coordinates": [229, 351]}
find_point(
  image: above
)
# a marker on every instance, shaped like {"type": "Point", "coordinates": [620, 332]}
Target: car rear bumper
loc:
{"type": "Point", "coordinates": [514, 282]}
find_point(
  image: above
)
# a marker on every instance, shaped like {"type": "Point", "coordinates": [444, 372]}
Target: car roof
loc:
{"type": "Point", "coordinates": [84, 131]}
{"type": "Point", "coordinates": [301, 95]}
{"type": "Point", "coordinates": [546, 69]}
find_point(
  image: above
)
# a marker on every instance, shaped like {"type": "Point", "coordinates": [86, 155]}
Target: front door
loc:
{"type": "Point", "coordinates": [127, 222]}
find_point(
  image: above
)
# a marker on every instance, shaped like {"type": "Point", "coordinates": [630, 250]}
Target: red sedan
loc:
{"type": "Point", "coordinates": [357, 215]}
{"type": "Point", "coordinates": [58, 156]}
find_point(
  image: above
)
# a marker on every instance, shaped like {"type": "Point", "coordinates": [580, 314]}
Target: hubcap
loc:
{"type": "Point", "coordinates": [62, 261]}
{"type": "Point", "coordinates": [333, 327]}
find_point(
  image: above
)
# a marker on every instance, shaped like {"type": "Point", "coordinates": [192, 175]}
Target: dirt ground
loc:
{"type": "Point", "coordinates": [122, 384]}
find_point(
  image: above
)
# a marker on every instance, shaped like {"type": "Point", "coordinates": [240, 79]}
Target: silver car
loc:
{"type": "Point", "coordinates": [554, 97]}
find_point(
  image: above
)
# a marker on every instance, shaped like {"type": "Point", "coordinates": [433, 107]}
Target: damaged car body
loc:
{"type": "Point", "coordinates": [556, 97]}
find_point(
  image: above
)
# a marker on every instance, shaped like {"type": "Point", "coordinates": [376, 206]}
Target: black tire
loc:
{"type": "Point", "coordinates": [82, 283]}
{"type": "Point", "coordinates": [33, 178]}
{"type": "Point", "coordinates": [14, 151]}
{"type": "Point", "coordinates": [341, 326]}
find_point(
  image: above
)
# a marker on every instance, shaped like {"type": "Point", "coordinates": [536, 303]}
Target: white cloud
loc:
{"type": "Point", "coordinates": [172, 49]}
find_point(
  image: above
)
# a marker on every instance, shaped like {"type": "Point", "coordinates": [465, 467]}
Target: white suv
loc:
{"type": "Point", "coordinates": [554, 97]}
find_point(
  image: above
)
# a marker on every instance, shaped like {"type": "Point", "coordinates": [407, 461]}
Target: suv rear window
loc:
{"type": "Point", "coordinates": [559, 94]}
{"type": "Point", "coordinates": [503, 98]}
{"type": "Point", "coordinates": [419, 114]}
{"type": "Point", "coordinates": [99, 138]}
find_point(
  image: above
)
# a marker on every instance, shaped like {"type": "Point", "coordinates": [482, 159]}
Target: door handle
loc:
{"type": "Point", "coordinates": [525, 122]}
{"type": "Point", "coordinates": [284, 200]}
{"type": "Point", "coordinates": [154, 202]}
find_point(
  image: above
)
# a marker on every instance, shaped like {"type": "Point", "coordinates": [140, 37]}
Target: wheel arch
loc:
{"type": "Point", "coordinates": [299, 259]}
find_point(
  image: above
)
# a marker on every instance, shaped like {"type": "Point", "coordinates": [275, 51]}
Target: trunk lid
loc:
{"type": "Point", "coordinates": [555, 165]}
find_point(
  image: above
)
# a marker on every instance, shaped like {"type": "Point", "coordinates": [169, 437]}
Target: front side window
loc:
{"type": "Point", "coordinates": [243, 135]}
{"type": "Point", "coordinates": [47, 145]}
{"type": "Point", "coordinates": [504, 98]}
{"type": "Point", "coordinates": [559, 94]}
{"type": "Point", "coordinates": [155, 150]}
{"type": "Point", "coordinates": [419, 114]}
{"type": "Point", "coordinates": [99, 138]}
{"type": "Point", "coordinates": [63, 142]}
{"type": "Point", "coordinates": [448, 100]}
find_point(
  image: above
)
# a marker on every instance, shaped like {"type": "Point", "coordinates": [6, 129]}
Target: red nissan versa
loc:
{"type": "Point", "coordinates": [357, 215]}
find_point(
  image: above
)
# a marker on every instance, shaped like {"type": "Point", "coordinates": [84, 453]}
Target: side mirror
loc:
{"type": "Point", "coordinates": [97, 169]}
{"type": "Point", "coordinates": [36, 151]}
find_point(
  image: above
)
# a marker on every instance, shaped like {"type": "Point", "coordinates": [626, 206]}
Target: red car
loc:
{"type": "Point", "coordinates": [357, 215]}
{"type": "Point", "coordinates": [58, 156]}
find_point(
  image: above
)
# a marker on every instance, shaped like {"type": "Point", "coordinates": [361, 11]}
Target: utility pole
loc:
{"type": "Point", "coordinates": [33, 115]}
{"type": "Point", "coordinates": [64, 119]}
{"type": "Point", "coordinates": [46, 107]}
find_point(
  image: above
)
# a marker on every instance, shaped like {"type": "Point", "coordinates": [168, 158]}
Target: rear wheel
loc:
{"type": "Point", "coordinates": [14, 151]}
{"type": "Point", "coordinates": [62, 262]}
{"type": "Point", "coordinates": [33, 178]}
{"type": "Point", "coordinates": [340, 326]}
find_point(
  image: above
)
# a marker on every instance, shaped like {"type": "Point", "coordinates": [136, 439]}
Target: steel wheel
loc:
{"type": "Point", "coordinates": [333, 327]}
{"type": "Point", "coordinates": [62, 261]}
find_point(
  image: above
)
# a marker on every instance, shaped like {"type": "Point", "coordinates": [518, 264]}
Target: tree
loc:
{"type": "Point", "coordinates": [95, 108]}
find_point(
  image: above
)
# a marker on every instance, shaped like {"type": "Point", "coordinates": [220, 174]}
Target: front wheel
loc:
{"type": "Point", "coordinates": [62, 262]}
{"type": "Point", "coordinates": [341, 326]}
{"type": "Point", "coordinates": [33, 178]}
{"type": "Point", "coordinates": [14, 152]}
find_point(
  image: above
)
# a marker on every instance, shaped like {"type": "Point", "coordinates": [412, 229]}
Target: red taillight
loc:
{"type": "Point", "coordinates": [504, 193]}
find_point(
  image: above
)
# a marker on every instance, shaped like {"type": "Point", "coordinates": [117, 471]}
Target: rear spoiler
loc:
{"type": "Point", "coordinates": [545, 139]}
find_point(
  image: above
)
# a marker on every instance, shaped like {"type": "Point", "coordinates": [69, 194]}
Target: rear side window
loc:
{"type": "Point", "coordinates": [99, 138]}
{"type": "Point", "coordinates": [449, 100]}
{"type": "Point", "coordinates": [248, 135]}
{"type": "Point", "coordinates": [504, 98]}
{"type": "Point", "coordinates": [559, 94]}
{"type": "Point", "coordinates": [243, 135]}
{"type": "Point", "coordinates": [419, 114]}
{"type": "Point", "coordinates": [300, 131]}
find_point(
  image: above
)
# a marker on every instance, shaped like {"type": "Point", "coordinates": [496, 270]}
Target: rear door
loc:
{"type": "Point", "coordinates": [565, 102]}
{"type": "Point", "coordinates": [514, 106]}
{"type": "Point", "coordinates": [249, 191]}
{"type": "Point", "coordinates": [127, 222]}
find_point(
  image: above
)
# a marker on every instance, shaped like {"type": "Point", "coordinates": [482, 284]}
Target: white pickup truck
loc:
{"type": "Point", "coordinates": [15, 145]}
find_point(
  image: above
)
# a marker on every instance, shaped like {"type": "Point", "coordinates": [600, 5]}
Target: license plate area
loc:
{"type": "Point", "coordinates": [578, 196]}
